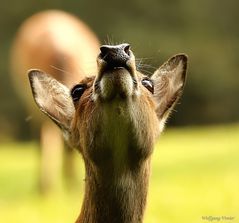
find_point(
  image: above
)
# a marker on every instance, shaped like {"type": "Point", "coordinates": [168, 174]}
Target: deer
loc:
{"type": "Point", "coordinates": [113, 119]}
{"type": "Point", "coordinates": [65, 47]}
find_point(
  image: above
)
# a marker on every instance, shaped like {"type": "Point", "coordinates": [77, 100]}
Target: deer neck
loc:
{"type": "Point", "coordinates": [117, 162]}
{"type": "Point", "coordinates": [113, 197]}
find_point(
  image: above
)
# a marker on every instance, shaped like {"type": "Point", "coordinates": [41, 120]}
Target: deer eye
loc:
{"type": "Point", "coordinates": [146, 82]}
{"type": "Point", "coordinates": [77, 91]}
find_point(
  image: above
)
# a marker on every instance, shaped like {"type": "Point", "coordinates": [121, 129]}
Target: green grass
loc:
{"type": "Point", "coordinates": [195, 173]}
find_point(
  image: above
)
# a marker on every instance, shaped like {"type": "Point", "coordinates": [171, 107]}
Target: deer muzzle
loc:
{"type": "Point", "coordinates": [116, 72]}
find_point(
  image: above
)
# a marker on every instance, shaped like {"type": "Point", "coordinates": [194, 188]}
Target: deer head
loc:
{"type": "Point", "coordinates": [114, 118]}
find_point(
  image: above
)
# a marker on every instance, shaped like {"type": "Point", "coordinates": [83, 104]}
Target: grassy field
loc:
{"type": "Point", "coordinates": [195, 173]}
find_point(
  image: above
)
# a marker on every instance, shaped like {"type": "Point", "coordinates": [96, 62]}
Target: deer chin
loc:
{"type": "Point", "coordinates": [116, 83]}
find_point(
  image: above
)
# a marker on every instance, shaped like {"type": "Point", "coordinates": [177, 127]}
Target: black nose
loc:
{"type": "Point", "coordinates": [115, 56]}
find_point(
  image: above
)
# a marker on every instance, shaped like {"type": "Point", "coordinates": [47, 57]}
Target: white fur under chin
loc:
{"type": "Point", "coordinates": [116, 82]}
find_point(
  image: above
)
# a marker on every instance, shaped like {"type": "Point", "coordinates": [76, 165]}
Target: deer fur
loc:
{"type": "Point", "coordinates": [63, 46]}
{"type": "Point", "coordinates": [114, 125]}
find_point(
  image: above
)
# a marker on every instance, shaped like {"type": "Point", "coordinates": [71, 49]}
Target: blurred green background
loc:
{"type": "Point", "coordinates": [195, 168]}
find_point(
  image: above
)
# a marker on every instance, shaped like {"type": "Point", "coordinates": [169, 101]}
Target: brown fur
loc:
{"type": "Point", "coordinates": [115, 132]}
{"type": "Point", "coordinates": [65, 47]}
{"type": "Point", "coordinates": [56, 42]}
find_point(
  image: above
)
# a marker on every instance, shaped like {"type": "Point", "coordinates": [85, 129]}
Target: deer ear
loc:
{"type": "Point", "coordinates": [169, 81]}
{"type": "Point", "coordinates": [52, 98]}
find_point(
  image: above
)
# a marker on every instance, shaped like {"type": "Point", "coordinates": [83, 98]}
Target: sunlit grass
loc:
{"type": "Point", "coordinates": [195, 172]}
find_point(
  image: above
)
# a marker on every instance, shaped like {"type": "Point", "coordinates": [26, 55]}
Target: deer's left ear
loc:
{"type": "Point", "coordinates": [52, 98]}
{"type": "Point", "coordinates": [169, 81]}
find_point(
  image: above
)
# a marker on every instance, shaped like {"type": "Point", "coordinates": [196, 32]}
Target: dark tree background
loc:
{"type": "Point", "coordinates": [206, 30]}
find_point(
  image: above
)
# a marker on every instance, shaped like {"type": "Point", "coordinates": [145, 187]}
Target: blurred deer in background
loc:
{"type": "Point", "coordinates": [113, 119]}
{"type": "Point", "coordinates": [65, 47]}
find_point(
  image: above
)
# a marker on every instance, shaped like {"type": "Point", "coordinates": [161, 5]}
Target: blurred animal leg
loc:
{"type": "Point", "coordinates": [69, 168]}
{"type": "Point", "coordinates": [51, 144]}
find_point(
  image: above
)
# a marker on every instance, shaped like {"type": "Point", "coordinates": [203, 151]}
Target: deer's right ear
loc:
{"type": "Point", "coordinates": [169, 81]}
{"type": "Point", "coordinates": [52, 98]}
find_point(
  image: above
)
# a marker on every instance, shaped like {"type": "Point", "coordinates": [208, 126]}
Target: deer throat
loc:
{"type": "Point", "coordinates": [115, 199]}
{"type": "Point", "coordinates": [117, 162]}
{"type": "Point", "coordinates": [119, 139]}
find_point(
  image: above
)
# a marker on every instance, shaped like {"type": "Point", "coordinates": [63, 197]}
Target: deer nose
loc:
{"type": "Point", "coordinates": [115, 56]}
